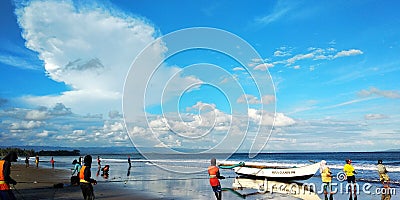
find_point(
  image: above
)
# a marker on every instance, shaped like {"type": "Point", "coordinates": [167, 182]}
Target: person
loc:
{"type": "Point", "coordinates": [350, 173]}
{"type": "Point", "coordinates": [98, 161]}
{"type": "Point", "coordinates": [326, 176]}
{"type": "Point", "coordinates": [5, 179]}
{"type": "Point", "coordinates": [213, 172]}
{"type": "Point", "coordinates": [52, 162]}
{"type": "Point", "coordinates": [37, 160]}
{"type": "Point", "coordinates": [77, 167]}
{"type": "Point", "coordinates": [383, 176]}
{"type": "Point", "coordinates": [105, 170]}
{"type": "Point", "coordinates": [27, 161]}
{"type": "Point", "coordinates": [86, 180]}
{"type": "Point", "coordinates": [129, 160]}
{"type": "Point", "coordinates": [81, 160]}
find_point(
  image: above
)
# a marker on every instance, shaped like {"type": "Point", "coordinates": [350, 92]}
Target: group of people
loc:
{"type": "Point", "coordinates": [52, 161]}
{"type": "Point", "coordinates": [326, 176]}
{"type": "Point", "coordinates": [84, 175]}
{"type": "Point", "coordinates": [349, 170]}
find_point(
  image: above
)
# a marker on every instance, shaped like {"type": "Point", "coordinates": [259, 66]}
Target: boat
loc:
{"type": "Point", "coordinates": [260, 170]}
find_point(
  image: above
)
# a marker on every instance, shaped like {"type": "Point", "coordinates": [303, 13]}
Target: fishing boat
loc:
{"type": "Point", "coordinates": [260, 170]}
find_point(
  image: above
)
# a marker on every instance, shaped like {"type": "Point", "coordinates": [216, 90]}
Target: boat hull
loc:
{"type": "Point", "coordinates": [281, 174]}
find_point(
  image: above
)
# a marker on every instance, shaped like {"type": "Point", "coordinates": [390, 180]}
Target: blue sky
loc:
{"type": "Point", "coordinates": [328, 68]}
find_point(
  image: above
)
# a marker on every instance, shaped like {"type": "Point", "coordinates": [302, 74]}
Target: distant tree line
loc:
{"type": "Point", "coordinates": [59, 153]}
{"type": "Point", "coordinates": [31, 152]}
{"type": "Point", "coordinates": [20, 152]}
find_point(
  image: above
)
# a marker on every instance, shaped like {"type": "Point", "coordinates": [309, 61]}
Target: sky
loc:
{"type": "Point", "coordinates": [253, 76]}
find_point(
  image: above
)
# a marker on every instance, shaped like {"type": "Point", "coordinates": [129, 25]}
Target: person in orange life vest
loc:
{"type": "Point", "coordinates": [52, 162]}
{"type": "Point", "coordinates": [213, 171]}
{"type": "Point", "coordinates": [5, 179]}
{"type": "Point", "coordinates": [85, 180]}
{"type": "Point", "coordinates": [105, 170]}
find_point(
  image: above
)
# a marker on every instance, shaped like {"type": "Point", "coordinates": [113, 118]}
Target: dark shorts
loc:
{"type": "Point", "coordinates": [87, 191]}
{"type": "Point", "coordinates": [216, 188]}
{"type": "Point", "coordinates": [351, 179]}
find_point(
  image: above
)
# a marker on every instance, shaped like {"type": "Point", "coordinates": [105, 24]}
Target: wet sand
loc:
{"type": "Point", "coordinates": [39, 183]}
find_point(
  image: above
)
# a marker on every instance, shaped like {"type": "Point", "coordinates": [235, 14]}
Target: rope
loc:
{"type": "Point", "coordinates": [162, 179]}
{"type": "Point", "coordinates": [19, 193]}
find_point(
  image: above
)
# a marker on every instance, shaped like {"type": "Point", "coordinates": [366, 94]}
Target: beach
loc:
{"type": "Point", "coordinates": [153, 179]}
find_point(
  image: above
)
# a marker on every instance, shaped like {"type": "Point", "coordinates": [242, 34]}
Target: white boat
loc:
{"type": "Point", "coordinates": [259, 170]}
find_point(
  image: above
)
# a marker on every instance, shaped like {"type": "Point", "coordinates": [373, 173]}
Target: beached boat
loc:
{"type": "Point", "coordinates": [259, 170]}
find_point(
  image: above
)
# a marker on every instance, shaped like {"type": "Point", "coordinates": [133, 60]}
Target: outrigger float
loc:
{"type": "Point", "coordinates": [261, 171]}
{"type": "Point", "coordinates": [301, 191]}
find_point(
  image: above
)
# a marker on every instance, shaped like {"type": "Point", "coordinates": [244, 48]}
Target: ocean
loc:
{"type": "Point", "coordinates": [184, 176]}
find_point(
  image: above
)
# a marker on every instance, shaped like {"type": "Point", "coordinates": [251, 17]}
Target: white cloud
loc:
{"type": "Point", "coordinates": [26, 125]}
{"type": "Point", "coordinates": [263, 66]}
{"type": "Point", "coordinates": [299, 57]}
{"type": "Point", "coordinates": [392, 94]}
{"type": "Point", "coordinates": [345, 53]}
{"type": "Point", "coordinates": [36, 115]}
{"type": "Point", "coordinates": [89, 49]}
{"type": "Point", "coordinates": [44, 133]}
{"type": "Point", "coordinates": [351, 52]}
{"type": "Point", "coordinates": [280, 10]}
{"type": "Point", "coordinates": [267, 118]}
{"type": "Point", "coordinates": [238, 69]}
{"type": "Point", "coordinates": [374, 116]}
{"type": "Point", "coordinates": [247, 98]}
{"type": "Point", "coordinates": [251, 99]}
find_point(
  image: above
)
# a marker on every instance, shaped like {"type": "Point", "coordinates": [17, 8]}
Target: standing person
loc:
{"type": "Point", "coordinates": [77, 167]}
{"type": "Point", "coordinates": [350, 173]}
{"type": "Point", "coordinates": [213, 171]}
{"type": "Point", "coordinates": [37, 160]}
{"type": "Point", "coordinates": [81, 160]}
{"type": "Point", "coordinates": [129, 161]}
{"type": "Point", "coordinates": [326, 176]}
{"type": "Point", "coordinates": [27, 161]}
{"type": "Point", "coordinates": [98, 161]}
{"type": "Point", "coordinates": [383, 177]}
{"type": "Point", "coordinates": [5, 179]}
{"type": "Point", "coordinates": [86, 180]}
{"type": "Point", "coordinates": [52, 162]}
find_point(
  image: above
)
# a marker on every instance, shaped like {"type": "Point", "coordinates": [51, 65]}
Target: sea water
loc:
{"type": "Point", "coordinates": [184, 176]}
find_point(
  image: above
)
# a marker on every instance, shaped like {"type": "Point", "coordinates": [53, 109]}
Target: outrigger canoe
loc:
{"type": "Point", "coordinates": [259, 170]}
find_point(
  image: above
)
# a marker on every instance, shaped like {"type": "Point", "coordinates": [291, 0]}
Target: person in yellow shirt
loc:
{"type": "Point", "coordinates": [383, 176]}
{"type": "Point", "coordinates": [326, 177]}
{"type": "Point", "coordinates": [350, 173]}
